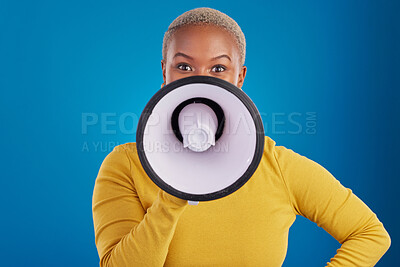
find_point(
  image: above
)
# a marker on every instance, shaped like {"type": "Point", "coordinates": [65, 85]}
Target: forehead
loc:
{"type": "Point", "coordinates": [203, 40]}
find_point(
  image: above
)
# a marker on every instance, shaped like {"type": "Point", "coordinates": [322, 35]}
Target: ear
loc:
{"type": "Point", "coordinates": [242, 75]}
{"type": "Point", "coordinates": [164, 67]}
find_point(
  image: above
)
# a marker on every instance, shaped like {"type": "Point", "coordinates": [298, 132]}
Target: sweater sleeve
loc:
{"type": "Point", "coordinates": [125, 233]}
{"type": "Point", "coordinates": [318, 196]}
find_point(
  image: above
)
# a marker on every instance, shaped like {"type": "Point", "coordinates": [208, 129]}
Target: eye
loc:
{"type": "Point", "coordinates": [218, 68]}
{"type": "Point", "coordinates": [184, 67]}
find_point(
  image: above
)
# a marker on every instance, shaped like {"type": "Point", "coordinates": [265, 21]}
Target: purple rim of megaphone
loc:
{"type": "Point", "coordinates": [247, 102]}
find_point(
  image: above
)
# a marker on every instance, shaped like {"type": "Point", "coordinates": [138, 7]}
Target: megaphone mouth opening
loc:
{"type": "Point", "coordinates": [211, 174]}
{"type": "Point", "coordinates": [218, 111]}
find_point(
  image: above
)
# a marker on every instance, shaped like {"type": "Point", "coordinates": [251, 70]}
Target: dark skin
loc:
{"type": "Point", "coordinates": [203, 50]}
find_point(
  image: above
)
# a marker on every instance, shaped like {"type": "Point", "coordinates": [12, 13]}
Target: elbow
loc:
{"type": "Point", "coordinates": [382, 240]}
{"type": "Point", "coordinates": [105, 260]}
{"type": "Point", "coordinates": [380, 235]}
{"type": "Point", "coordinates": [387, 240]}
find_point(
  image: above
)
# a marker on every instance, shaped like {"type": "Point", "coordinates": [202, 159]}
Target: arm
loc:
{"type": "Point", "coordinates": [126, 234]}
{"type": "Point", "coordinates": [318, 196]}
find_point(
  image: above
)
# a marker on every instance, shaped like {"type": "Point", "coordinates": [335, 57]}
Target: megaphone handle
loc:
{"type": "Point", "coordinates": [193, 202]}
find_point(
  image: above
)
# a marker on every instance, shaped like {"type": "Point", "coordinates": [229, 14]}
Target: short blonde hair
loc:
{"type": "Point", "coordinates": [204, 16]}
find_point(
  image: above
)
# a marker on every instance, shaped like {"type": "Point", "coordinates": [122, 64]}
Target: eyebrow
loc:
{"type": "Point", "coordinates": [189, 57]}
{"type": "Point", "coordinates": [215, 58]}
{"type": "Point", "coordinates": [182, 55]}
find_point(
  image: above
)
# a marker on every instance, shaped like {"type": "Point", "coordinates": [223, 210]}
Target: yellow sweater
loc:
{"type": "Point", "coordinates": [137, 224]}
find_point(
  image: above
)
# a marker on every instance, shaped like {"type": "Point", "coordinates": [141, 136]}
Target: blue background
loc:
{"type": "Point", "coordinates": [62, 60]}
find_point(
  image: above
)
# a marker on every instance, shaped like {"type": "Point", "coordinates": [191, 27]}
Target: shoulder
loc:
{"type": "Point", "coordinates": [129, 148]}
{"type": "Point", "coordinates": [271, 146]}
{"type": "Point", "coordinates": [290, 163]}
{"type": "Point", "coordinates": [128, 152]}
{"type": "Point", "coordinates": [126, 148]}
{"type": "Point", "coordinates": [120, 157]}
{"type": "Point", "coordinates": [279, 152]}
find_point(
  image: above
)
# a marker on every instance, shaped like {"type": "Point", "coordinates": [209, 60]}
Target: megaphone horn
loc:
{"type": "Point", "coordinates": [190, 165]}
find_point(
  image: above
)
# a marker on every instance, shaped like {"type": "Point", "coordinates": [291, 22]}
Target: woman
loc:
{"type": "Point", "coordinates": [137, 224]}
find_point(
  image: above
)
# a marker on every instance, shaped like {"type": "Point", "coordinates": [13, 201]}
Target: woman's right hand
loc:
{"type": "Point", "coordinates": [126, 233]}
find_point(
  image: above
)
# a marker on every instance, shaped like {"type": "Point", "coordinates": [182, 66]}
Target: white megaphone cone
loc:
{"type": "Point", "coordinates": [216, 142]}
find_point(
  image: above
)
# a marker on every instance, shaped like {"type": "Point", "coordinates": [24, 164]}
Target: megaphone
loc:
{"type": "Point", "coordinates": [200, 138]}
